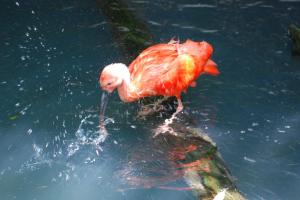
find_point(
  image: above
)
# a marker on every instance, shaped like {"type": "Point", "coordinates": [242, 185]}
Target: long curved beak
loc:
{"type": "Point", "coordinates": [104, 101]}
{"type": "Point", "coordinates": [102, 131]}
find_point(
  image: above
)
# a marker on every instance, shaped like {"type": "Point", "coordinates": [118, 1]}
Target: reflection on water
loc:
{"type": "Point", "coordinates": [186, 162]}
{"type": "Point", "coordinates": [51, 55]}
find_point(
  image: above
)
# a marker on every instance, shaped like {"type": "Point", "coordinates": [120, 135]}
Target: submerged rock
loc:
{"type": "Point", "coordinates": [294, 33]}
{"type": "Point", "coordinates": [131, 33]}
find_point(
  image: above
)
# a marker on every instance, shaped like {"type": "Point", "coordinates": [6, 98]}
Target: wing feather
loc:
{"type": "Point", "coordinates": [169, 69]}
{"type": "Point", "coordinates": [152, 67]}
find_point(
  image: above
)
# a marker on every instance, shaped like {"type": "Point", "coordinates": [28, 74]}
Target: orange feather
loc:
{"type": "Point", "coordinates": [169, 69]}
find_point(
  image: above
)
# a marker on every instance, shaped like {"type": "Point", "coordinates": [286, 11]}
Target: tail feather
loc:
{"type": "Point", "coordinates": [211, 68]}
{"type": "Point", "coordinates": [201, 51]}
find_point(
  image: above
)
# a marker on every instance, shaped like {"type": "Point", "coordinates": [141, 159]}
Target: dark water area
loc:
{"type": "Point", "coordinates": [50, 59]}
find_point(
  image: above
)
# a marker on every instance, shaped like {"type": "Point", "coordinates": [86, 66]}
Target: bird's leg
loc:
{"type": "Point", "coordinates": [180, 105]}
{"type": "Point", "coordinates": [178, 110]}
{"type": "Point", "coordinates": [165, 127]}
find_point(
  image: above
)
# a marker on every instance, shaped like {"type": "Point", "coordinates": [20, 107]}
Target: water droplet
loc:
{"type": "Point", "coordinates": [38, 150]}
{"type": "Point", "coordinates": [29, 131]}
{"type": "Point", "coordinates": [271, 93]}
{"type": "Point", "coordinates": [67, 177]}
{"type": "Point", "coordinates": [280, 131]}
{"type": "Point", "coordinates": [249, 159]}
{"type": "Point", "coordinates": [133, 126]}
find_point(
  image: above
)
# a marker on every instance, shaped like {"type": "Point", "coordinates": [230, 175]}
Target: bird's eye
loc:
{"type": "Point", "coordinates": [109, 83]}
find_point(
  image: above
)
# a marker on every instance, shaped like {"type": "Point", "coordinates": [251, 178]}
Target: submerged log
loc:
{"type": "Point", "coordinates": [131, 33]}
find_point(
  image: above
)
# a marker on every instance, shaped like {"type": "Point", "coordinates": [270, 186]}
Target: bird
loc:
{"type": "Point", "coordinates": [164, 69]}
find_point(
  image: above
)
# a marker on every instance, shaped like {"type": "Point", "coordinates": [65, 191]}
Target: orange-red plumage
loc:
{"type": "Point", "coordinates": [162, 69]}
{"type": "Point", "coordinates": [169, 69]}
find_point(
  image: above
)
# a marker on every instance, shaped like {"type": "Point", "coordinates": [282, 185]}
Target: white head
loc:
{"type": "Point", "coordinates": [112, 76]}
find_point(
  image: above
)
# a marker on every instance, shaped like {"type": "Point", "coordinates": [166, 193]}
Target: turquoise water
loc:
{"type": "Point", "coordinates": [51, 55]}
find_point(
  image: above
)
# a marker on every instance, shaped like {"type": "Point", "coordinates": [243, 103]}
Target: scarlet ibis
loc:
{"type": "Point", "coordinates": [165, 69]}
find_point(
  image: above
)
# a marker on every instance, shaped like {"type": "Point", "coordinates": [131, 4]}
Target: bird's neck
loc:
{"type": "Point", "coordinates": [126, 90]}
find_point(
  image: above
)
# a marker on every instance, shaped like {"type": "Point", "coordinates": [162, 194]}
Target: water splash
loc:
{"type": "Point", "coordinates": [38, 159]}
{"type": "Point", "coordinates": [85, 136]}
{"type": "Point", "coordinates": [221, 195]}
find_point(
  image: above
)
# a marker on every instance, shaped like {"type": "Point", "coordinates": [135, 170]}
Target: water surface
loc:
{"type": "Point", "coordinates": [51, 55]}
